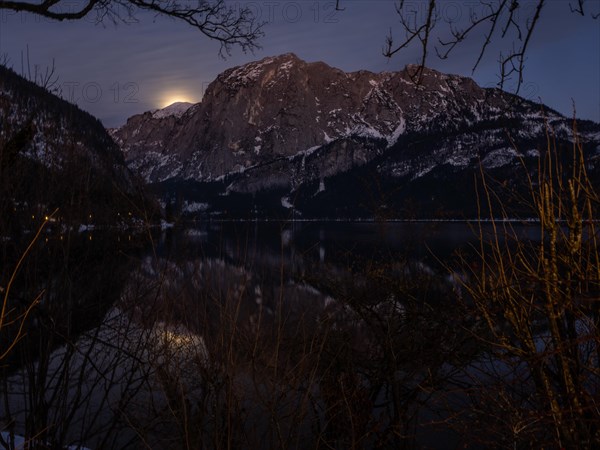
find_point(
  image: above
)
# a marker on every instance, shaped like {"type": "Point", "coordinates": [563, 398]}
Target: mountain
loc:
{"type": "Point", "coordinates": [281, 133]}
{"type": "Point", "coordinates": [176, 109]}
{"type": "Point", "coordinates": [55, 156]}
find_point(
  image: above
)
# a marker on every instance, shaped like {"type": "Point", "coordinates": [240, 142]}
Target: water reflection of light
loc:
{"type": "Point", "coordinates": [286, 237]}
{"type": "Point", "coordinates": [194, 234]}
{"type": "Point", "coordinates": [180, 339]}
{"type": "Point", "coordinates": [181, 342]}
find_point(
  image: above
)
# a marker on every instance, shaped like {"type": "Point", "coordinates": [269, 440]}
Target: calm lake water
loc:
{"type": "Point", "coordinates": [294, 245]}
{"type": "Point", "coordinates": [240, 300]}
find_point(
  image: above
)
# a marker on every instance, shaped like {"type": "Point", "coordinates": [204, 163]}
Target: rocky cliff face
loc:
{"type": "Point", "coordinates": [283, 106]}
{"type": "Point", "coordinates": [282, 123]}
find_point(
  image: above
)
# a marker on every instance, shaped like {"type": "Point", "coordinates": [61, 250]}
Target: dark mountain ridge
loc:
{"type": "Point", "coordinates": [54, 156]}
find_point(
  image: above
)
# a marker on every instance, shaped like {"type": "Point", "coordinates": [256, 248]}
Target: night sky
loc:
{"type": "Point", "coordinates": [117, 71]}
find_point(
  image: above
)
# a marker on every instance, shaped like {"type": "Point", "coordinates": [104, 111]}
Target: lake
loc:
{"type": "Point", "coordinates": [246, 335]}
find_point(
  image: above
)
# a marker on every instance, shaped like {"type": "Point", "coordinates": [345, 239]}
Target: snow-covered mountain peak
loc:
{"type": "Point", "coordinates": [276, 108]}
{"type": "Point", "coordinates": [176, 109]}
{"type": "Point", "coordinates": [248, 74]}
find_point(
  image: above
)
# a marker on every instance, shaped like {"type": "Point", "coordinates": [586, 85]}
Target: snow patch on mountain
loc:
{"type": "Point", "coordinates": [399, 131]}
{"type": "Point", "coordinates": [500, 157]}
{"type": "Point", "coordinates": [321, 186]}
{"type": "Point", "coordinates": [193, 207]}
{"type": "Point", "coordinates": [285, 202]}
{"type": "Point", "coordinates": [157, 167]}
{"type": "Point", "coordinates": [176, 109]}
{"type": "Point", "coordinates": [458, 160]}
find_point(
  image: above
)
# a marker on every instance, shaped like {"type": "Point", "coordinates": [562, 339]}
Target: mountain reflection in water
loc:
{"type": "Point", "coordinates": [265, 335]}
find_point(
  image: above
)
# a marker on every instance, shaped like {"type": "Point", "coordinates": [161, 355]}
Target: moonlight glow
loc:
{"type": "Point", "coordinates": [175, 97]}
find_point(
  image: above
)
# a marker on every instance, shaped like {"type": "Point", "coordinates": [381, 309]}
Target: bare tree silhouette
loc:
{"type": "Point", "coordinates": [231, 25]}
{"type": "Point", "coordinates": [509, 21]}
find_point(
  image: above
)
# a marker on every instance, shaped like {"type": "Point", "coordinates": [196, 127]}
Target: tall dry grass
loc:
{"type": "Point", "coordinates": [537, 302]}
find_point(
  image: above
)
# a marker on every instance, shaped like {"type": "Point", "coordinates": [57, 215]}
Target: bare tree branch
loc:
{"type": "Point", "coordinates": [47, 79]}
{"type": "Point", "coordinates": [413, 31]}
{"type": "Point", "coordinates": [500, 19]}
{"type": "Point", "coordinates": [578, 8]}
{"type": "Point", "coordinates": [46, 9]}
{"type": "Point", "coordinates": [459, 36]}
{"type": "Point", "coordinates": [516, 60]}
{"type": "Point", "coordinates": [5, 60]}
{"type": "Point", "coordinates": [513, 62]}
{"type": "Point", "coordinates": [229, 25]}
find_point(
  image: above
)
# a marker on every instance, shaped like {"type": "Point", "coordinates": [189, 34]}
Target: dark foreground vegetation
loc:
{"type": "Point", "coordinates": [106, 345]}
